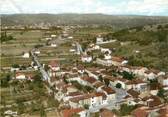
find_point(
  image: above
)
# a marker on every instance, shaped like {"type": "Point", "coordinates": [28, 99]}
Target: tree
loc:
{"type": "Point", "coordinates": [75, 115]}
{"type": "Point", "coordinates": [46, 67]}
{"type": "Point", "coordinates": [4, 82]}
{"type": "Point", "coordinates": [107, 82]}
{"type": "Point", "coordinates": [88, 88]}
{"type": "Point", "coordinates": [118, 85]}
{"type": "Point", "coordinates": [15, 66]}
{"type": "Point", "coordinates": [86, 106]}
{"type": "Point", "coordinates": [126, 109]}
{"type": "Point", "coordinates": [4, 37]}
{"type": "Point", "coordinates": [65, 79]}
{"type": "Point", "coordinates": [3, 101]}
{"type": "Point", "coordinates": [94, 40]}
{"type": "Point", "coordinates": [42, 111]}
{"type": "Point", "coordinates": [77, 85]}
{"type": "Point", "coordinates": [161, 93]}
{"type": "Point", "coordinates": [101, 78]}
{"type": "Point", "coordinates": [101, 56]}
{"type": "Point", "coordinates": [21, 106]}
{"type": "Point", "coordinates": [84, 46]}
{"type": "Point", "coordinates": [127, 75]}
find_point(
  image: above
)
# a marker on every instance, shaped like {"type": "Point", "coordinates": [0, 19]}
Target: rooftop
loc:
{"type": "Point", "coordinates": [70, 112]}
{"type": "Point", "coordinates": [89, 79]}
{"type": "Point", "coordinates": [108, 90]}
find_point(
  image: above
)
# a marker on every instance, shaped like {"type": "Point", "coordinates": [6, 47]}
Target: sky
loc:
{"type": "Point", "coordinates": [112, 7]}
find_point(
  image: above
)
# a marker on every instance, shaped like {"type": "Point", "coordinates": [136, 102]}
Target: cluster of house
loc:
{"type": "Point", "coordinates": [67, 83]}
{"type": "Point", "coordinates": [107, 59]}
{"type": "Point", "coordinates": [137, 91]}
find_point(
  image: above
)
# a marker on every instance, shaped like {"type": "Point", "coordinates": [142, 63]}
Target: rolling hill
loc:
{"type": "Point", "coordinates": [118, 21]}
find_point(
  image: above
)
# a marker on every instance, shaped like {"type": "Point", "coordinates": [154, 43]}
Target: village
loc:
{"type": "Point", "coordinates": [95, 82]}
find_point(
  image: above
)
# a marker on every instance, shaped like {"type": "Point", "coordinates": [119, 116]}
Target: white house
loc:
{"type": "Point", "coordinates": [26, 55]}
{"type": "Point", "coordinates": [96, 47]}
{"type": "Point", "coordinates": [11, 113]}
{"type": "Point", "coordinates": [152, 74]}
{"type": "Point", "coordinates": [137, 85]}
{"type": "Point", "coordinates": [163, 80]}
{"type": "Point", "coordinates": [37, 51]}
{"type": "Point", "coordinates": [93, 47]}
{"type": "Point", "coordinates": [72, 50]}
{"type": "Point", "coordinates": [20, 76]}
{"type": "Point", "coordinates": [86, 58]}
{"type": "Point", "coordinates": [70, 37]}
{"type": "Point", "coordinates": [140, 71]}
{"type": "Point", "coordinates": [116, 61]}
{"type": "Point", "coordinates": [53, 35]}
{"type": "Point", "coordinates": [104, 50]}
{"type": "Point", "coordinates": [14, 69]}
{"type": "Point", "coordinates": [53, 45]}
{"type": "Point", "coordinates": [107, 56]}
{"type": "Point", "coordinates": [48, 38]}
{"type": "Point", "coordinates": [92, 99]}
{"type": "Point", "coordinates": [99, 40]}
{"type": "Point", "coordinates": [110, 93]}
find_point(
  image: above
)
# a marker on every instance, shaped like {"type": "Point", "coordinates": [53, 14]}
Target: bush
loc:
{"type": "Point", "coordinates": [161, 93]}
{"type": "Point", "coordinates": [15, 66]}
{"type": "Point", "coordinates": [118, 85]}
{"type": "Point", "coordinates": [4, 82]}
{"type": "Point", "coordinates": [126, 109]}
{"type": "Point", "coordinates": [107, 82]}
{"type": "Point", "coordinates": [127, 75]}
{"type": "Point", "coordinates": [86, 106]}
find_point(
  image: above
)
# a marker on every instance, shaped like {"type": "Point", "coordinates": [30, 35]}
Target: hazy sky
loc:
{"type": "Point", "coordinates": [123, 7]}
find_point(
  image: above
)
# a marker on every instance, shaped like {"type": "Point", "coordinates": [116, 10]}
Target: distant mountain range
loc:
{"type": "Point", "coordinates": [82, 19]}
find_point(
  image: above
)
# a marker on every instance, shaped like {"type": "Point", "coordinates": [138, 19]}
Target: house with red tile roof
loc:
{"type": "Point", "coordinates": [110, 93]}
{"type": "Point", "coordinates": [97, 85]}
{"type": "Point", "coordinates": [24, 75]}
{"type": "Point", "coordinates": [137, 84]}
{"type": "Point", "coordinates": [163, 112]}
{"type": "Point", "coordinates": [93, 72]}
{"type": "Point", "coordinates": [20, 76]}
{"type": "Point", "coordinates": [153, 73]}
{"type": "Point", "coordinates": [116, 61]}
{"type": "Point", "coordinates": [72, 95]}
{"type": "Point", "coordinates": [74, 111]}
{"type": "Point", "coordinates": [152, 101]}
{"type": "Point", "coordinates": [89, 81]}
{"type": "Point", "coordinates": [54, 67]}
{"type": "Point", "coordinates": [141, 112]}
{"type": "Point", "coordinates": [106, 113]}
{"type": "Point", "coordinates": [92, 99]}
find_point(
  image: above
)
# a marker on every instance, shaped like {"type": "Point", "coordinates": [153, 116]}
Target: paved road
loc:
{"type": "Point", "coordinates": [43, 72]}
{"type": "Point", "coordinates": [79, 48]}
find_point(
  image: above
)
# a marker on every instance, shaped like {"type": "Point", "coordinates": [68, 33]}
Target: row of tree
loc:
{"type": "Point", "coordinates": [4, 37]}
